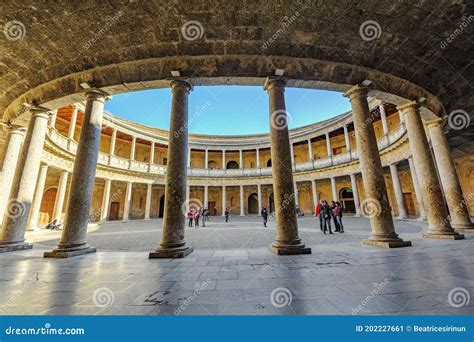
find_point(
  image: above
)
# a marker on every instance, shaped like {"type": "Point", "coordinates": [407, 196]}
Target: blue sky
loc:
{"type": "Point", "coordinates": [227, 110]}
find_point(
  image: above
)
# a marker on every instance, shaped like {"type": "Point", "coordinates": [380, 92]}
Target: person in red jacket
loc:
{"type": "Point", "coordinates": [317, 212]}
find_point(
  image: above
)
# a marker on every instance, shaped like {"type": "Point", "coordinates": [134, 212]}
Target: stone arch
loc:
{"type": "Point", "coordinates": [346, 198]}
{"type": "Point", "coordinates": [253, 203]}
{"type": "Point", "coordinates": [232, 165]}
{"type": "Point", "coordinates": [47, 205]}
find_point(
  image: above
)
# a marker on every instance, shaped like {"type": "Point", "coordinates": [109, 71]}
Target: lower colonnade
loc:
{"type": "Point", "coordinates": [367, 172]}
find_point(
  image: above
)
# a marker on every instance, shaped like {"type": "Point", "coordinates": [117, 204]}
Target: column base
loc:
{"type": "Point", "coordinates": [422, 219]}
{"type": "Point", "coordinates": [69, 253]}
{"type": "Point", "coordinates": [387, 244]}
{"type": "Point", "coordinates": [170, 253]}
{"type": "Point", "coordinates": [448, 235]}
{"type": "Point", "coordinates": [465, 228]}
{"type": "Point", "coordinates": [289, 249]}
{"type": "Point", "coordinates": [15, 247]}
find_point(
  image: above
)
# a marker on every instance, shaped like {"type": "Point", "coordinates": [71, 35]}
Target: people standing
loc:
{"type": "Point", "coordinates": [206, 214]}
{"type": "Point", "coordinates": [317, 212]}
{"type": "Point", "coordinates": [264, 214]}
{"type": "Point", "coordinates": [338, 212]}
{"type": "Point", "coordinates": [226, 213]}
{"type": "Point", "coordinates": [202, 214]}
{"type": "Point", "coordinates": [326, 212]}
{"type": "Point", "coordinates": [333, 214]}
{"type": "Point", "coordinates": [190, 217]}
{"type": "Point", "coordinates": [196, 219]}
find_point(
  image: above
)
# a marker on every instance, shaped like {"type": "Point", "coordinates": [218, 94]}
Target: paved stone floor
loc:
{"type": "Point", "coordinates": [232, 272]}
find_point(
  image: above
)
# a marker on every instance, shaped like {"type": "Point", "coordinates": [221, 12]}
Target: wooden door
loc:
{"type": "Point", "coordinates": [409, 204]}
{"type": "Point", "coordinates": [114, 211]}
{"type": "Point", "coordinates": [211, 206]}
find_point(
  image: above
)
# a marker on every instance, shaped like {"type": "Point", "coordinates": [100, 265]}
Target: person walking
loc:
{"type": "Point", "coordinates": [338, 212]}
{"type": "Point", "coordinates": [190, 217]}
{"type": "Point", "coordinates": [264, 214]}
{"type": "Point", "coordinates": [333, 214]}
{"type": "Point", "coordinates": [206, 214]}
{"type": "Point", "coordinates": [196, 219]}
{"type": "Point", "coordinates": [226, 213]}
{"type": "Point", "coordinates": [326, 212]}
{"type": "Point", "coordinates": [317, 213]}
{"type": "Point", "coordinates": [202, 213]}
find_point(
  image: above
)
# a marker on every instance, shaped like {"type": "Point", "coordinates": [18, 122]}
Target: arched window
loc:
{"type": "Point", "coordinates": [232, 165]}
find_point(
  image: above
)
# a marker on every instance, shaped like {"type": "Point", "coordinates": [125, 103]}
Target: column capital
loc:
{"type": "Point", "coordinates": [357, 91]}
{"type": "Point", "coordinates": [408, 105]}
{"type": "Point", "coordinates": [181, 83]}
{"type": "Point", "coordinates": [16, 129]}
{"type": "Point", "coordinates": [274, 81]}
{"type": "Point", "coordinates": [39, 111]}
{"type": "Point", "coordinates": [438, 122]}
{"type": "Point", "coordinates": [97, 94]}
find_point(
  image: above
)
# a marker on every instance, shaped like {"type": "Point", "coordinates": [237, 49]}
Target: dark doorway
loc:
{"type": "Point", "coordinates": [346, 197]}
{"type": "Point", "coordinates": [271, 205]}
{"type": "Point", "coordinates": [232, 165]}
{"type": "Point", "coordinates": [162, 206]}
{"type": "Point", "coordinates": [114, 211]}
{"type": "Point", "coordinates": [253, 203]}
{"type": "Point", "coordinates": [269, 163]}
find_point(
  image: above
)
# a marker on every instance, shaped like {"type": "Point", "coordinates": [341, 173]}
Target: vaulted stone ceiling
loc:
{"type": "Point", "coordinates": [62, 38]}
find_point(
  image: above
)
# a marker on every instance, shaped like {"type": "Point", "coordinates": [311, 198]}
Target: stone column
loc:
{"type": "Point", "coordinates": [287, 240]}
{"type": "Point", "coordinates": [297, 198]}
{"type": "Point", "coordinates": [18, 207]}
{"type": "Point", "coordinates": [52, 118]}
{"type": "Point", "coordinates": [460, 218]}
{"type": "Point", "coordinates": [438, 221]}
{"type": "Point", "coordinates": [36, 206]}
{"type": "Point", "coordinates": [292, 151]}
{"type": "Point", "coordinates": [416, 186]}
{"type": "Point", "coordinates": [328, 145]}
{"type": "Point", "coordinates": [188, 198]}
{"type": "Point", "coordinates": [242, 207]}
{"type": "Point", "coordinates": [335, 195]}
{"type": "Point", "coordinates": [189, 157]}
{"type": "Point", "coordinates": [74, 235]}
{"type": "Point", "coordinates": [60, 195]}
{"type": "Point", "coordinates": [241, 159]}
{"type": "Point", "coordinates": [72, 123]}
{"type": "Point", "coordinates": [15, 138]}
{"type": "Point", "coordinates": [113, 139]}
{"type": "Point", "coordinates": [315, 193]}
{"type": "Point", "coordinates": [355, 193]}
{"type": "Point", "coordinates": [128, 202]}
{"type": "Point", "coordinates": [223, 160]}
{"type": "Point", "coordinates": [383, 118]}
{"type": "Point", "coordinates": [173, 244]}
{"type": "Point", "coordinates": [223, 201]}
{"type": "Point", "coordinates": [376, 205]}
{"type": "Point", "coordinates": [259, 197]}
{"type": "Point", "coordinates": [310, 150]}
{"type": "Point", "coordinates": [347, 139]}
{"type": "Point", "coordinates": [206, 159]}
{"type": "Point", "coordinates": [206, 196]}
{"type": "Point", "coordinates": [397, 188]}
{"type": "Point", "coordinates": [133, 147]}
{"type": "Point", "coordinates": [104, 211]}
{"type": "Point", "coordinates": [152, 153]}
{"type": "Point", "coordinates": [148, 201]}
{"type": "Point", "coordinates": [258, 158]}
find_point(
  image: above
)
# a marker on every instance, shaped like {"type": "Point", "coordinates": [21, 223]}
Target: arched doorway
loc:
{"type": "Point", "coordinates": [47, 206]}
{"type": "Point", "coordinates": [346, 197]}
{"type": "Point", "coordinates": [253, 203]}
{"type": "Point", "coordinates": [269, 163]}
{"type": "Point", "coordinates": [162, 206]}
{"type": "Point", "coordinates": [232, 165]}
{"type": "Point", "coordinates": [271, 204]}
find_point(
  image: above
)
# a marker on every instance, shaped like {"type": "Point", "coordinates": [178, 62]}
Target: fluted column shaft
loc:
{"type": "Point", "coordinates": [460, 218]}
{"type": "Point", "coordinates": [376, 205]}
{"type": "Point", "coordinates": [15, 139]}
{"type": "Point", "coordinates": [397, 189]}
{"type": "Point", "coordinates": [74, 235]}
{"type": "Point", "coordinates": [438, 222]}
{"type": "Point", "coordinates": [287, 240]}
{"type": "Point", "coordinates": [173, 244]}
{"type": "Point", "coordinates": [36, 206]}
{"type": "Point", "coordinates": [18, 208]}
